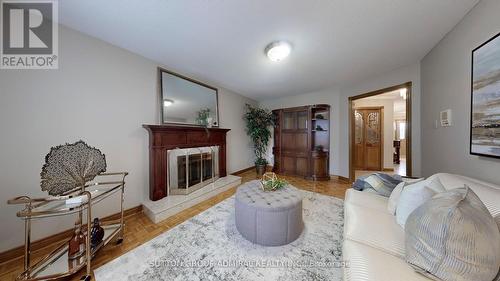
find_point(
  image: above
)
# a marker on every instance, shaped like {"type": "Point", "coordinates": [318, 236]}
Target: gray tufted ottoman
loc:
{"type": "Point", "coordinates": [268, 218]}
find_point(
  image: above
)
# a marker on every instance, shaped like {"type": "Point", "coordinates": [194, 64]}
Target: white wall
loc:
{"type": "Point", "coordinates": [239, 147]}
{"type": "Point", "coordinates": [337, 98]}
{"type": "Point", "coordinates": [388, 126]}
{"type": "Point", "coordinates": [327, 96]}
{"type": "Point", "coordinates": [446, 78]}
{"type": "Point", "coordinates": [391, 78]}
{"type": "Point", "coordinates": [101, 94]}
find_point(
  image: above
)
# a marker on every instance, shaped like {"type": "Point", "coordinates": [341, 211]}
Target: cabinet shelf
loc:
{"type": "Point", "coordinates": [57, 205]}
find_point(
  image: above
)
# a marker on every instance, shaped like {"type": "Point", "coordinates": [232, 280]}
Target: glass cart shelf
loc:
{"type": "Point", "coordinates": [57, 264]}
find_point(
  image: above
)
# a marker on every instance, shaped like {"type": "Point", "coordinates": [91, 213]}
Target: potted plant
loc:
{"type": "Point", "coordinates": [258, 123]}
{"type": "Point", "coordinates": [203, 117]}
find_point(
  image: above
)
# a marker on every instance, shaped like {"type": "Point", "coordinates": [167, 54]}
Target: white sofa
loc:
{"type": "Point", "coordinates": [373, 243]}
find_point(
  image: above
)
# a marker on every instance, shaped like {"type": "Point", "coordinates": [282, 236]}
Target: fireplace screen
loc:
{"type": "Point", "coordinates": [192, 168]}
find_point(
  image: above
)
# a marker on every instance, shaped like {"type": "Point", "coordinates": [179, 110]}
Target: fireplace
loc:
{"type": "Point", "coordinates": [199, 154]}
{"type": "Point", "coordinates": [190, 169]}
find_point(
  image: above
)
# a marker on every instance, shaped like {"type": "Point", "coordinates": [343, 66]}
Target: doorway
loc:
{"type": "Point", "coordinates": [368, 138]}
{"type": "Point", "coordinates": [380, 132]}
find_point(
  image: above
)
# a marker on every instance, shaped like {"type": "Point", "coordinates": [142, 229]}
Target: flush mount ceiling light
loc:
{"type": "Point", "coordinates": [278, 50]}
{"type": "Point", "coordinates": [167, 102]}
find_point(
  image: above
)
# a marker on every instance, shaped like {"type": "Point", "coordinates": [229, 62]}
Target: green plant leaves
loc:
{"type": "Point", "coordinates": [258, 121]}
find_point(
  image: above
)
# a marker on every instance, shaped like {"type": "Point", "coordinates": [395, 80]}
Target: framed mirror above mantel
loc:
{"type": "Point", "coordinates": [185, 101]}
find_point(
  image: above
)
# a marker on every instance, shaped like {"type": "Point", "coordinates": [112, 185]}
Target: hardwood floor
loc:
{"type": "Point", "coordinates": [399, 169]}
{"type": "Point", "coordinates": [139, 229]}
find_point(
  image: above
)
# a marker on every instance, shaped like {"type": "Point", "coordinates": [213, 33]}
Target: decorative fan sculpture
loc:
{"type": "Point", "coordinates": [71, 165]}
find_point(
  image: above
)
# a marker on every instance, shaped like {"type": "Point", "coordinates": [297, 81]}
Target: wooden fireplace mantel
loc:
{"type": "Point", "coordinates": [165, 137]}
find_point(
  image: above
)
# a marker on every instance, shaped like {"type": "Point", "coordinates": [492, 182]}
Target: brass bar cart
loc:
{"type": "Point", "coordinates": [79, 201]}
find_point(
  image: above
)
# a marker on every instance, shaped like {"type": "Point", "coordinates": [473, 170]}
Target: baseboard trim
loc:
{"type": "Point", "coordinates": [18, 252]}
{"type": "Point", "coordinates": [269, 168]}
{"type": "Point", "coordinates": [388, 170]}
{"type": "Point", "coordinates": [243, 170]}
{"type": "Point", "coordinates": [341, 178]}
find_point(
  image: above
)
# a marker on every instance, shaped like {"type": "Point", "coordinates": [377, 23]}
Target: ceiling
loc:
{"type": "Point", "coordinates": [395, 97]}
{"type": "Point", "coordinates": [392, 95]}
{"type": "Point", "coordinates": [222, 41]}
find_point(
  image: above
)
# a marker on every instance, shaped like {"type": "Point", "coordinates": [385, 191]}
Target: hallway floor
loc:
{"type": "Point", "coordinates": [399, 169]}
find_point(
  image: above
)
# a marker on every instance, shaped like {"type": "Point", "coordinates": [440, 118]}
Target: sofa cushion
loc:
{"type": "Point", "coordinates": [453, 237]}
{"type": "Point", "coordinates": [376, 229]}
{"type": "Point", "coordinates": [366, 199]}
{"type": "Point", "coordinates": [436, 185]}
{"type": "Point", "coordinates": [365, 263]}
{"type": "Point", "coordinates": [394, 198]}
{"type": "Point", "coordinates": [488, 193]}
{"type": "Point", "coordinates": [375, 259]}
{"type": "Point", "coordinates": [411, 198]}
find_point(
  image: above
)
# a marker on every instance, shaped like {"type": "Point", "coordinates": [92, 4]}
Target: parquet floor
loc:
{"type": "Point", "coordinates": [139, 229]}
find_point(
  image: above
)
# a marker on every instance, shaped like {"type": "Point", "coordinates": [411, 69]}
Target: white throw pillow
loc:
{"type": "Point", "coordinates": [436, 185]}
{"type": "Point", "coordinates": [394, 198]}
{"type": "Point", "coordinates": [411, 180]}
{"type": "Point", "coordinates": [415, 195]}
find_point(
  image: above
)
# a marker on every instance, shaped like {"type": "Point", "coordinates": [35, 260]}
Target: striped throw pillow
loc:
{"type": "Point", "coordinates": [453, 237]}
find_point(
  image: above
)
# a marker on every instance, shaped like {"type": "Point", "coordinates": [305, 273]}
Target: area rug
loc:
{"type": "Point", "coordinates": [209, 247]}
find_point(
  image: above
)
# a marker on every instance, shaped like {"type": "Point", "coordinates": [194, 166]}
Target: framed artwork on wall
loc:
{"type": "Point", "coordinates": [485, 99]}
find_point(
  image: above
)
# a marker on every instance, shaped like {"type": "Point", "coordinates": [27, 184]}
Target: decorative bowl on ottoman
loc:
{"type": "Point", "coordinates": [268, 218]}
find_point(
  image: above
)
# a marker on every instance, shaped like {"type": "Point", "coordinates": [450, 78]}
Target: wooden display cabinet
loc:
{"type": "Point", "coordinates": [302, 141]}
